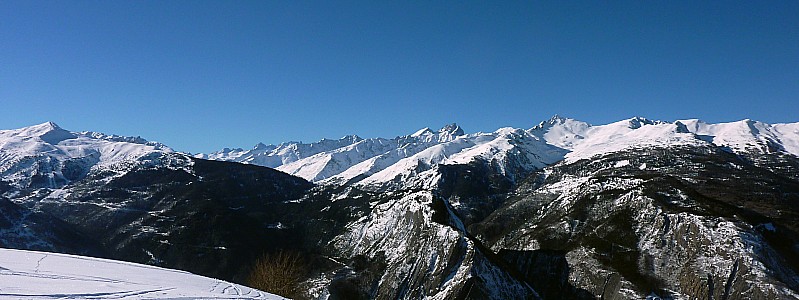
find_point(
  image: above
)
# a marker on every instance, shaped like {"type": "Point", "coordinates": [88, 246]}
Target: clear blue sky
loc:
{"type": "Point", "coordinates": [200, 75]}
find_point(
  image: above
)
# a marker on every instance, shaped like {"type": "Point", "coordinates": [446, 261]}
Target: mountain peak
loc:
{"type": "Point", "coordinates": [352, 138]}
{"type": "Point", "coordinates": [50, 124]}
{"type": "Point", "coordinates": [261, 146]}
{"type": "Point", "coordinates": [556, 118]}
{"type": "Point", "coordinates": [49, 132]}
{"type": "Point", "coordinates": [421, 132]}
{"type": "Point", "coordinates": [451, 129]}
{"type": "Point", "coordinates": [42, 128]}
{"type": "Point", "coordinates": [637, 122]}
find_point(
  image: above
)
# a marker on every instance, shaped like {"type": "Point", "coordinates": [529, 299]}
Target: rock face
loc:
{"type": "Point", "coordinates": [425, 252]}
{"type": "Point", "coordinates": [564, 210]}
{"type": "Point", "coordinates": [24, 228]}
{"type": "Point", "coordinates": [693, 222]}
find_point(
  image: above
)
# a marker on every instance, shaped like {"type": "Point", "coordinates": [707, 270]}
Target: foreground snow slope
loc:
{"type": "Point", "coordinates": [43, 275]}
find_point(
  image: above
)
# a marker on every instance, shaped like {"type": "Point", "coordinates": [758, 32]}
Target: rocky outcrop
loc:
{"type": "Point", "coordinates": [425, 258]}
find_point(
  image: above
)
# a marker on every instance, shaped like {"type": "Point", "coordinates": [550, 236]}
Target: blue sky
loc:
{"type": "Point", "coordinates": [200, 75]}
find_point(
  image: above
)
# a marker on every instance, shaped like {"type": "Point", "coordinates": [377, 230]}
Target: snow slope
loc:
{"type": "Point", "coordinates": [583, 140]}
{"type": "Point", "coordinates": [43, 275]}
{"type": "Point", "coordinates": [508, 150]}
{"type": "Point", "coordinates": [748, 135]}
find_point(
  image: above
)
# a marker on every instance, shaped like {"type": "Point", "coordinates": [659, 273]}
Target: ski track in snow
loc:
{"type": "Point", "coordinates": [40, 275]}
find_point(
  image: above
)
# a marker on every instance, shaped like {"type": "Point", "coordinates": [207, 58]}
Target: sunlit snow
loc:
{"type": "Point", "coordinates": [42, 275]}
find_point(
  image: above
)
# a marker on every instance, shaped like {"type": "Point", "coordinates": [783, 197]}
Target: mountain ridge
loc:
{"type": "Point", "coordinates": [557, 139]}
{"type": "Point", "coordinates": [48, 155]}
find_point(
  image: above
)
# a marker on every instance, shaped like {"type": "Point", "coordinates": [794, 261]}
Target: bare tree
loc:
{"type": "Point", "coordinates": [279, 273]}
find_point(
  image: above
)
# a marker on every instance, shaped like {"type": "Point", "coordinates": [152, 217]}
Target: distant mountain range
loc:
{"type": "Point", "coordinates": [377, 161]}
{"type": "Point", "coordinates": [633, 209]}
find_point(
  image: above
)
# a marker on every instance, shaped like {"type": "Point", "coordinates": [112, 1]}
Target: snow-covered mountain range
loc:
{"type": "Point", "coordinates": [564, 209]}
{"type": "Point", "coordinates": [48, 156]}
{"type": "Point", "coordinates": [380, 161]}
